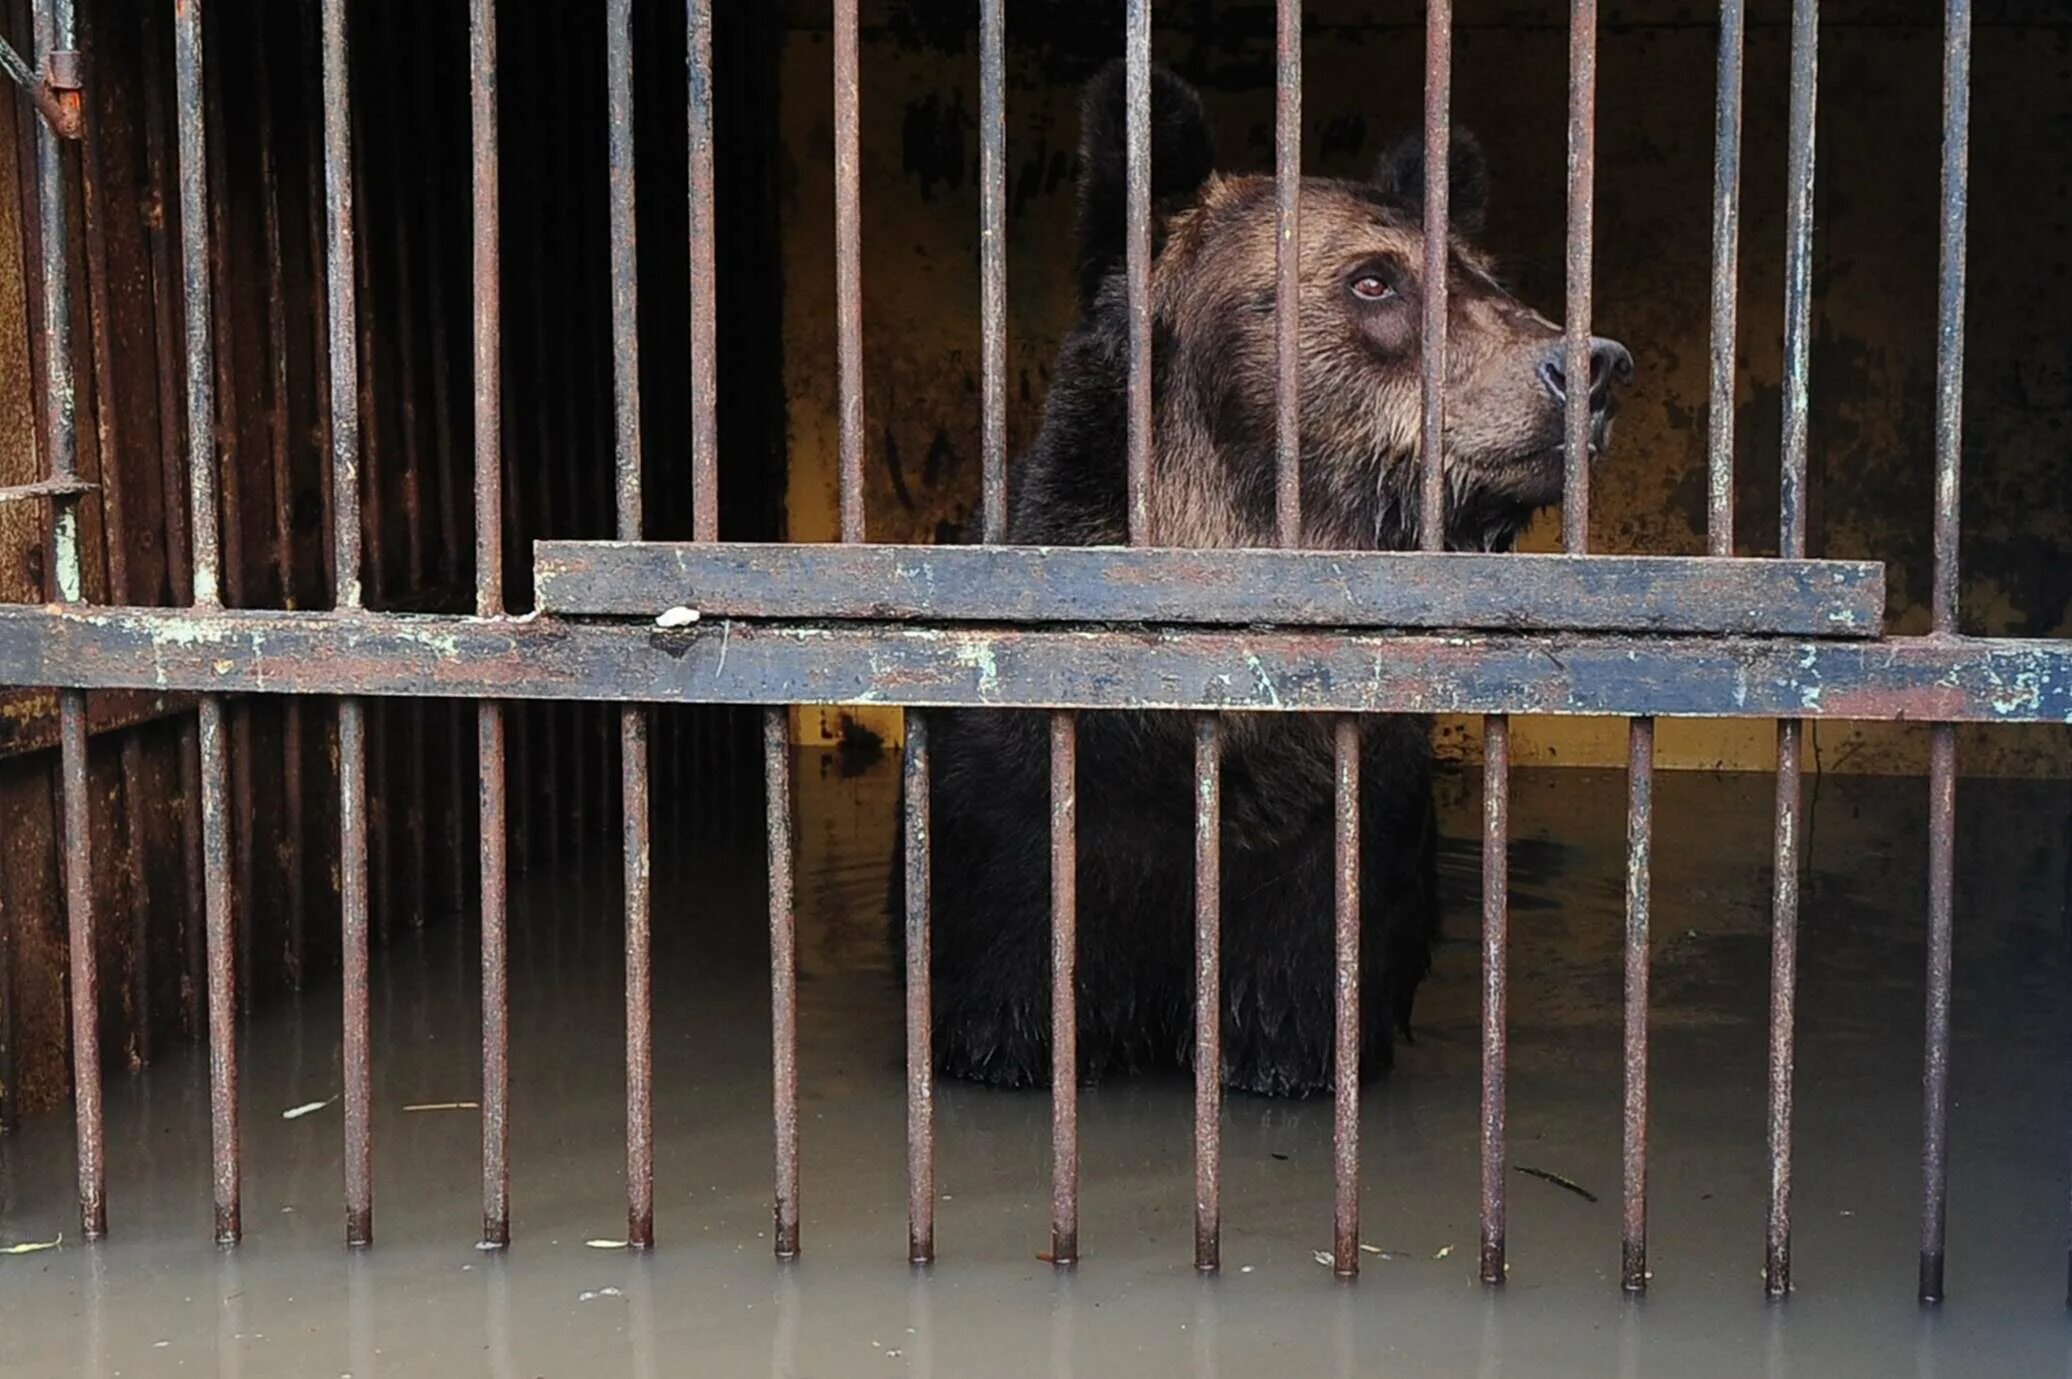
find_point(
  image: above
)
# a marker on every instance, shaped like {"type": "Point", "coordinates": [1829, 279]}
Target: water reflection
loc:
{"type": "Point", "coordinates": [1064, 1323]}
{"type": "Point", "coordinates": [95, 1363]}
{"type": "Point", "coordinates": [496, 1317]}
{"type": "Point", "coordinates": [230, 1316]}
{"type": "Point", "coordinates": [359, 1315]}
{"type": "Point", "coordinates": [784, 1335]}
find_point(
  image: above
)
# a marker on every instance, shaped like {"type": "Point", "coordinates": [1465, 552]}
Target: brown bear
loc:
{"type": "Point", "coordinates": [1212, 292]}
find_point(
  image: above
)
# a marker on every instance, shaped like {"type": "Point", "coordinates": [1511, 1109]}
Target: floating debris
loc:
{"type": "Point", "coordinates": [30, 1247]}
{"type": "Point", "coordinates": [444, 1106]}
{"type": "Point", "coordinates": [1567, 1184]}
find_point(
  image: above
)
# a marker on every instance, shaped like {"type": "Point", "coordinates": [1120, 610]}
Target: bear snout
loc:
{"type": "Point", "coordinates": [1611, 365]}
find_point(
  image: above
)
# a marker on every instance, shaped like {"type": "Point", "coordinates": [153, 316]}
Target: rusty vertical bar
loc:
{"type": "Point", "coordinates": [1935, 1071]}
{"type": "Point", "coordinates": [54, 35]}
{"type": "Point", "coordinates": [1726, 282]}
{"type": "Point", "coordinates": [784, 981]}
{"type": "Point", "coordinates": [84, 972]}
{"type": "Point", "coordinates": [1438, 142]}
{"type": "Point", "coordinates": [1640, 827]}
{"type": "Point", "coordinates": [1137, 262]}
{"type": "Point", "coordinates": [633, 719]}
{"type": "Point", "coordinates": [992, 263]}
{"type": "Point", "coordinates": [206, 526]}
{"type": "Point", "coordinates": [920, 1057]}
{"type": "Point", "coordinates": [487, 349]}
{"type": "Point", "coordinates": [1942, 737]}
{"type": "Point", "coordinates": [1345, 1062]}
{"type": "Point", "coordinates": [1784, 929]}
{"type": "Point", "coordinates": [341, 309]}
{"type": "Point", "coordinates": [704, 282]}
{"type": "Point", "coordinates": [341, 264]}
{"type": "Point", "coordinates": [1064, 989]}
{"type": "Point", "coordinates": [1798, 275]}
{"type": "Point", "coordinates": [849, 265]}
{"type": "Point", "coordinates": [1798, 303]}
{"type": "Point", "coordinates": [1582, 172]}
{"type": "Point", "coordinates": [1287, 303]}
{"type": "Point", "coordinates": [231, 486]}
{"type": "Point", "coordinates": [1208, 993]}
{"type": "Point", "coordinates": [279, 450]}
{"type": "Point", "coordinates": [1496, 921]}
{"type": "Point", "coordinates": [640, 1055]}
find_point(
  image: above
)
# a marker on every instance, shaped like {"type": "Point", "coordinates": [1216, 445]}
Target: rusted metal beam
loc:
{"type": "Point", "coordinates": [1303, 588]}
{"type": "Point", "coordinates": [490, 731]}
{"type": "Point", "coordinates": [920, 1057]}
{"type": "Point", "coordinates": [54, 89]}
{"type": "Point", "coordinates": [1345, 1053]}
{"type": "Point", "coordinates": [729, 661]}
{"type": "Point", "coordinates": [1208, 993]}
{"type": "Point", "coordinates": [1438, 162]}
{"type": "Point", "coordinates": [1496, 938]}
{"type": "Point", "coordinates": [1064, 987]}
{"type": "Point", "coordinates": [1137, 262]}
{"type": "Point", "coordinates": [1287, 315]}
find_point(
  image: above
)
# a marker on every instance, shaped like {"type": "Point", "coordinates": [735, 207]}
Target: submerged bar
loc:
{"type": "Point", "coordinates": [920, 1055]}
{"type": "Point", "coordinates": [1496, 920]}
{"type": "Point", "coordinates": [1345, 1062]}
{"type": "Point", "coordinates": [1208, 992]}
{"type": "Point", "coordinates": [633, 718]}
{"type": "Point", "coordinates": [1064, 1003]}
{"type": "Point", "coordinates": [1438, 143]}
{"type": "Point", "coordinates": [219, 919]}
{"type": "Point", "coordinates": [1798, 300]}
{"type": "Point", "coordinates": [1640, 825]}
{"type": "Point", "coordinates": [992, 265]}
{"type": "Point", "coordinates": [1576, 368]}
{"type": "Point", "coordinates": [1137, 263]}
{"type": "Point", "coordinates": [1726, 283]}
{"type": "Point", "coordinates": [849, 266]}
{"type": "Point", "coordinates": [345, 486]}
{"type": "Point", "coordinates": [1287, 302]}
{"type": "Point", "coordinates": [704, 283]}
{"type": "Point", "coordinates": [489, 603]}
{"type": "Point", "coordinates": [1942, 737]}
{"type": "Point", "coordinates": [784, 981]}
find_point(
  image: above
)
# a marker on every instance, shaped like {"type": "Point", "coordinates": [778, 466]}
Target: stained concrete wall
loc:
{"type": "Point", "coordinates": [1875, 274]}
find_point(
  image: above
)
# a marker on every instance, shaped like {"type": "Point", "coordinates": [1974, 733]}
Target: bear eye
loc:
{"type": "Point", "coordinates": [1372, 287]}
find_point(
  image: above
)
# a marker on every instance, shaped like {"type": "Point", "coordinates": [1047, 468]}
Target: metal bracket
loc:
{"type": "Point", "coordinates": [55, 90]}
{"type": "Point", "coordinates": [47, 488]}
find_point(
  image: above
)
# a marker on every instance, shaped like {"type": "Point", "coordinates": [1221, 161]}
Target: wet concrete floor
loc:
{"type": "Point", "coordinates": [158, 1298]}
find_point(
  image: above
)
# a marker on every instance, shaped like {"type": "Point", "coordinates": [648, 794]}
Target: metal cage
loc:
{"type": "Point", "coordinates": [637, 623]}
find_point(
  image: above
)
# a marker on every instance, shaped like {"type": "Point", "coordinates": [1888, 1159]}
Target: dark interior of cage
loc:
{"type": "Point", "coordinates": [1874, 355]}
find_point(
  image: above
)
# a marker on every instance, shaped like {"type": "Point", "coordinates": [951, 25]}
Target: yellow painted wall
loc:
{"type": "Point", "coordinates": [1874, 321]}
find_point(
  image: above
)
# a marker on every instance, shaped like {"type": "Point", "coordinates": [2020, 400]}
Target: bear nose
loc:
{"type": "Point", "coordinates": [1610, 363]}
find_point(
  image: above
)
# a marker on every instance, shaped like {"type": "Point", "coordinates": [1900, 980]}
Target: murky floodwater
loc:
{"type": "Point", "coordinates": [157, 1298]}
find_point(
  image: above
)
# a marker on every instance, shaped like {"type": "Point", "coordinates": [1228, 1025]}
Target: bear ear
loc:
{"type": "Point", "coordinates": [1401, 177]}
{"type": "Point", "coordinates": [1183, 155]}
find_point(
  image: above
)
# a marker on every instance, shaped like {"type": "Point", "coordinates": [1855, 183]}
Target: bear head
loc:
{"type": "Point", "coordinates": [1361, 286]}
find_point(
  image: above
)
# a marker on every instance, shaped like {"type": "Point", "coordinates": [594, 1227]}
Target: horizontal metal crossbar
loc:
{"type": "Point", "coordinates": [1929, 679]}
{"type": "Point", "coordinates": [1379, 589]}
